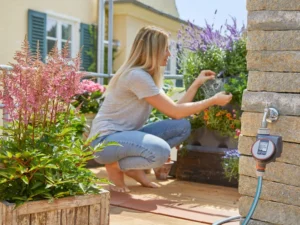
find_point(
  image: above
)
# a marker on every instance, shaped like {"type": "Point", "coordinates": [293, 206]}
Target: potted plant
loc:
{"type": "Point", "coordinates": [89, 99]}
{"type": "Point", "coordinates": [214, 130]}
{"type": "Point", "coordinates": [230, 164]}
{"type": "Point", "coordinates": [42, 155]}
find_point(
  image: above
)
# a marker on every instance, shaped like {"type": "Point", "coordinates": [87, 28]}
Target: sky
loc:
{"type": "Point", "coordinates": [197, 11]}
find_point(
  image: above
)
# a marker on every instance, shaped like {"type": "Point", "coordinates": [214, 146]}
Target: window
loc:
{"type": "Point", "coordinates": [59, 31]}
{"type": "Point", "coordinates": [49, 28]}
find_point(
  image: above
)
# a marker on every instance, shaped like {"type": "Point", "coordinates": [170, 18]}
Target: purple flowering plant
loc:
{"type": "Point", "coordinates": [221, 50]}
{"type": "Point", "coordinates": [230, 164]}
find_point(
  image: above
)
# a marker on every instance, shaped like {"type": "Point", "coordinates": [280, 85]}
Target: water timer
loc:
{"type": "Point", "coordinates": [263, 149]}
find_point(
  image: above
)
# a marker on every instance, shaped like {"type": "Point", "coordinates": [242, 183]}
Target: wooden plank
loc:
{"type": "Point", "coordinates": [24, 220]}
{"type": "Point", "coordinates": [38, 218]}
{"type": "Point", "coordinates": [104, 219]}
{"type": "Point", "coordinates": [95, 214]}
{"type": "Point", "coordinates": [82, 215]}
{"type": "Point", "coordinates": [2, 214]}
{"type": "Point", "coordinates": [53, 217]}
{"type": "Point", "coordinates": [10, 215]}
{"type": "Point", "coordinates": [68, 216]}
{"type": "Point", "coordinates": [63, 203]}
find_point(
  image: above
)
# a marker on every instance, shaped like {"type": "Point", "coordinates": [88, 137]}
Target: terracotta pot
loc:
{"type": "Point", "coordinates": [89, 118]}
{"type": "Point", "coordinates": [148, 171]}
{"type": "Point", "coordinates": [162, 173]}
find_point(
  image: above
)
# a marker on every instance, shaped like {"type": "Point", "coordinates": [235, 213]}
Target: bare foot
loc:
{"type": "Point", "coordinates": [116, 176]}
{"type": "Point", "coordinates": [140, 176]}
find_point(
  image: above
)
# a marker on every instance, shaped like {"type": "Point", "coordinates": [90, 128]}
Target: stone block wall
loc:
{"type": "Point", "coordinates": [273, 61]}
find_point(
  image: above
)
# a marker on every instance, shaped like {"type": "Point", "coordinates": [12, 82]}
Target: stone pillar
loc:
{"type": "Point", "coordinates": [273, 61]}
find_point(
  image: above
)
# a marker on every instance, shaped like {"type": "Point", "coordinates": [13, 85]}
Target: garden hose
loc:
{"type": "Point", "coordinates": [252, 208]}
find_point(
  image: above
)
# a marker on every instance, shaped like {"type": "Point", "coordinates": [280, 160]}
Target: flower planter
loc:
{"type": "Point", "coordinates": [83, 210]}
{"type": "Point", "coordinates": [89, 119]}
{"type": "Point", "coordinates": [202, 161]}
{"type": "Point", "coordinates": [203, 165]}
{"type": "Point", "coordinates": [211, 139]}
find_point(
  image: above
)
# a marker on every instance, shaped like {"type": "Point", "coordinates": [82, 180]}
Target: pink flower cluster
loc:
{"type": "Point", "coordinates": [35, 92]}
{"type": "Point", "coordinates": [90, 86]}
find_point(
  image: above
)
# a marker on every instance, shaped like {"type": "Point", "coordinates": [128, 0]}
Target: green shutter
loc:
{"type": "Point", "coordinates": [37, 23]}
{"type": "Point", "coordinates": [86, 45]}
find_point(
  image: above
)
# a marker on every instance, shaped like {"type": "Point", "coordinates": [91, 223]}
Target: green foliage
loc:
{"type": "Point", "coordinates": [232, 63]}
{"type": "Point", "coordinates": [92, 52]}
{"type": "Point", "coordinates": [88, 102]}
{"type": "Point", "coordinates": [47, 164]}
{"type": "Point", "coordinates": [194, 62]}
{"type": "Point", "coordinates": [235, 60]}
{"type": "Point", "coordinates": [236, 87]}
{"type": "Point", "coordinates": [230, 163]}
{"type": "Point", "coordinates": [231, 168]}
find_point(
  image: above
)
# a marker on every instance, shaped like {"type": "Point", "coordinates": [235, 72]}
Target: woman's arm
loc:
{"type": "Point", "coordinates": [180, 110]}
{"type": "Point", "coordinates": [192, 90]}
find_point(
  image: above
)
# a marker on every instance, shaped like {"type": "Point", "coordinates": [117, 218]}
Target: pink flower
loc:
{"type": "Point", "coordinates": [237, 132]}
{"type": "Point", "coordinates": [90, 86]}
{"type": "Point", "coordinates": [35, 91]}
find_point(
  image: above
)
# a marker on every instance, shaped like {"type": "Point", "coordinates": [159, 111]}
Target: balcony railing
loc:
{"type": "Point", "coordinates": [98, 75]}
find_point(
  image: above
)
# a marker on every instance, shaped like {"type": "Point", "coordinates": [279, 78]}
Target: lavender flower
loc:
{"type": "Point", "coordinates": [233, 153]}
{"type": "Point", "coordinates": [195, 38]}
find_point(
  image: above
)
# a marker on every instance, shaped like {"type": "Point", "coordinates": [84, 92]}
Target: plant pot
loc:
{"type": "Point", "coordinates": [162, 173]}
{"type": "Point", "coordinates": [148, 171]}
{"type": "Point", "coordinates": [85, 209]}
{"type": "Point", "coordinates": [211, 139]}
{"type": "Point", "coordinates": [203, 165]}
{"type": "Point", "coordinates": [89, 119]}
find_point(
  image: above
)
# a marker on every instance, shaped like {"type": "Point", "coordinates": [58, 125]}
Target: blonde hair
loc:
{"type": "Point", "coordinates": [147, 53]}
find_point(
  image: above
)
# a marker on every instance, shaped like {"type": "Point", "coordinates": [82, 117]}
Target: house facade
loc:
{"type": "Point", "coordinates": [59, 21]}
{"type": "Point", "coordinates": [66, 20]}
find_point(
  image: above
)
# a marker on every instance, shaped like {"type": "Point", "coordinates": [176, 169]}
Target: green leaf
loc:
{"type": "Point", "coordinates": [25, 179]}
{"type": "Point", "coordinates": [9, 154]}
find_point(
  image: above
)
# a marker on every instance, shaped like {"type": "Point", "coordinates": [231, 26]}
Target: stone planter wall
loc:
{"type": "Point", "coordinates": [273, 60]}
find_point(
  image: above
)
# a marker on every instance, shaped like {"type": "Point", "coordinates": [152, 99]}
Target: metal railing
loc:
{"type": "Point", "coordinates": [98, 75]}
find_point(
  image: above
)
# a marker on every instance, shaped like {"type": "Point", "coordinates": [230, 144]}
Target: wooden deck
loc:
{"type": "Point", "coordinates": [193, 203]}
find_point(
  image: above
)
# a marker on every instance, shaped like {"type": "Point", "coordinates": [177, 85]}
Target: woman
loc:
{"type": "Point", "coordinates": [131, 94]}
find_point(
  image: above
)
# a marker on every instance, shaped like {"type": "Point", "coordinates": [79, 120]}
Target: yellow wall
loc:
{"type": "Point", "coordinates": [128, 19]}
{"type": "Point", "coordinates": [166, 6]}
{"type": "Point", "coordinates": [13, 22]}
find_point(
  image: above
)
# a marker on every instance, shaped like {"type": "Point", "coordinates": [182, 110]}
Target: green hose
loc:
{"type": "Point", "coordinates": [255, 201]}
{"type": "Point", "coordinates": [252, 208]}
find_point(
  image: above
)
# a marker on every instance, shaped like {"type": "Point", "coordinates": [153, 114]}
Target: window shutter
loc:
{"type": "Point", "coordinates": [37, 23]}
{"type": "Point", "coordinates": [86, 45]}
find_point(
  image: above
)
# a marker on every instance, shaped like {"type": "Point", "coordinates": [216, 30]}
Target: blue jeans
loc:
{"type": "Point", "coordinates": [146, 148]}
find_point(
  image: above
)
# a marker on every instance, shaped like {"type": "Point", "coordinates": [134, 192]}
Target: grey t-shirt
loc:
{"type": "Point", "coordinates": [125, 108]}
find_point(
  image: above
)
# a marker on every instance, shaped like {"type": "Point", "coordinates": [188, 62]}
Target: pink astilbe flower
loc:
{"type": "Point", "coordinates": [35, 92]}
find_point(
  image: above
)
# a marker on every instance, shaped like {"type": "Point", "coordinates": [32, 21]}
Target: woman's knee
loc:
{"type": "Point", "coordinates": [185, 126]}
{"type": "Point", "coordinates": [161, 152]}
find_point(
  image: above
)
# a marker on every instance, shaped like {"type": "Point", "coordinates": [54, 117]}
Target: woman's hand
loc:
{"type": "Point", "coordinates": [222, 98]}
{"type": "Point", "coordinates": [204, 76]}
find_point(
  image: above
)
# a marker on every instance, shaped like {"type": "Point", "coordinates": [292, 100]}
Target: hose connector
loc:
{"type": "Point", "coordinates": [260, 168]}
